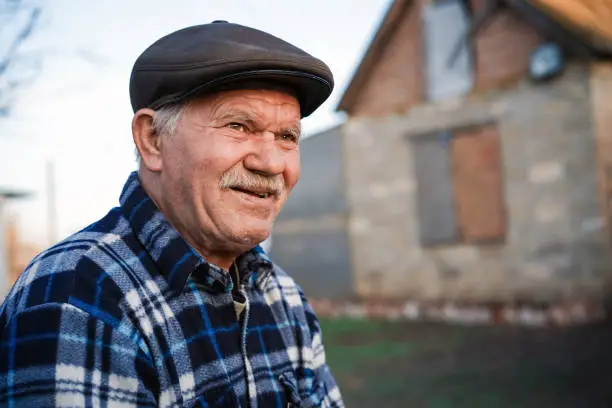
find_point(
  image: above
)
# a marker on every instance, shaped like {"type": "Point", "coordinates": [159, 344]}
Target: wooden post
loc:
{"type": "Point", "coordinates": [601, 105]}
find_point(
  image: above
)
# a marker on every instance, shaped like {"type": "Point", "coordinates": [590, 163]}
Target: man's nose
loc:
{"type": "Point", "coordinates": [266, 157]}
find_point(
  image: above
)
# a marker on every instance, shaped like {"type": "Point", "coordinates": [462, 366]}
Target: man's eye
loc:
{"type": "Point", "coordinates": [289, 137]}
{"type": "Point", "coordinates": [237, 126]}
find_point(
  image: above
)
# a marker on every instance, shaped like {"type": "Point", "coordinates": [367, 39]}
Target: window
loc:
{"type": "Point", "coordinates": [445, 24]}
{"type": "Point", "coordinates": [459, 186]}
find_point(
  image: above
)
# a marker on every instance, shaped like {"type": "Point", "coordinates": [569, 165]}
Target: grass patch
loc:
{"type": "Point", "coordinates": [353, 344]}
{"type": "Point", "coordinates": [334, 328]}
{"type": "Point", "coordinates": [387, 364]}
{"type": "Point", "coordinates": [351, 359]}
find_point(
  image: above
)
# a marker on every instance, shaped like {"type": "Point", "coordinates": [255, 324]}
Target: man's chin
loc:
{"type": "Point", "coordinates": [251, 236]}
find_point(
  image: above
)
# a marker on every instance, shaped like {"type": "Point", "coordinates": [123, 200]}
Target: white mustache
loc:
{"type": "Point", "coordinates": [246, 180]}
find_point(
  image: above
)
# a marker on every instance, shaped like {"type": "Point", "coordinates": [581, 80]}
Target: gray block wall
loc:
{"type": "Point", "coordinates": [310, 237]}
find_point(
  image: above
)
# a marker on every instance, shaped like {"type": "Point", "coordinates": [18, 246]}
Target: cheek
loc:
{"type": "Point", "coordinates": [292, 171]}
{"type": "Point", "coordinates": [179, 157]}
{"type": "Point", "coordinates": [209, 163]}
{"type": "Point", "coordinates": [186, 171]}
{"type": "Point", "coordinates": [203, 156]}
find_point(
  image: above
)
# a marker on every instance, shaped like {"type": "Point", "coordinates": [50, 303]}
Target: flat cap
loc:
{"type": "Point", "coordinates": [196, 60]}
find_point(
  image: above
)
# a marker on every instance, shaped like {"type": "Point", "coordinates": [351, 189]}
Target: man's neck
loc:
{"type": "Point", "coordinates": [223, 262]}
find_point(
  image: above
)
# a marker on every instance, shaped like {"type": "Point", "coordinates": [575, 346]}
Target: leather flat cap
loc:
{"type": "Point", "coordinates": [199, 59]}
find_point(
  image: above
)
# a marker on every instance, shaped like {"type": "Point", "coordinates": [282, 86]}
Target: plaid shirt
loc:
{"type": "Point", "coordinates": [125, 313]}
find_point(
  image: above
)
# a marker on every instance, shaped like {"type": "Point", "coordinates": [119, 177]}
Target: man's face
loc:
{"type": "Point", "coordinates": [229, 167]}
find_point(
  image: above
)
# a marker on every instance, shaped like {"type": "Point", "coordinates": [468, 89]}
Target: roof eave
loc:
{"type": "Point", "coordinates": [385, 29]}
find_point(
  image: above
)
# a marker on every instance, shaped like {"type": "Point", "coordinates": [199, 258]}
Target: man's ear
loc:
{"type": "Point", "coordinates": [147, 141]}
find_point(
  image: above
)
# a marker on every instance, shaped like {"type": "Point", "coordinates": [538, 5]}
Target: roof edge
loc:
{"type": "Point", "coordinates": [385, 29]}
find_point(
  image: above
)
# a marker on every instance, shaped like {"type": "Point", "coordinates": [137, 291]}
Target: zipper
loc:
{"type": "Point", "coordinates": [250, 379]}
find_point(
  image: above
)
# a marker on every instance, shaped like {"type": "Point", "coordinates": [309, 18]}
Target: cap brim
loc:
{"type": "Point", "coordinates": [311, 90]}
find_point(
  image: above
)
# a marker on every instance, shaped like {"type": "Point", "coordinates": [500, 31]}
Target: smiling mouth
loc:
{"type": "Point", "coordinates": [252, 193]}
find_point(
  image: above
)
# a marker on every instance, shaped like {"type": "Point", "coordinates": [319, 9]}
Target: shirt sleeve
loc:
{"type": "Point", "coordinates": [56, 355]}
{"type": "Point", "coordinates": [333, 397]}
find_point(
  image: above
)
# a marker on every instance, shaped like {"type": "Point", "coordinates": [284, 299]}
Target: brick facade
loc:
{"type": "Point", "coordinates": [397, 81]}
{"type": "Point", "coordinates": [502, 49]}
{"type": "Point", "coordinates": [394, 84]}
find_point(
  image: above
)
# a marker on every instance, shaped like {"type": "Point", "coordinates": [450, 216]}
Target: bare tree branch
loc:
{"type": "Point", "coordinates": [17, 69]}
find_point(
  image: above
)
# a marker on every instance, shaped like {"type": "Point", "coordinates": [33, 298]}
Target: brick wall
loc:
{"type": "Point", "coordinates": [502, 49]}
{"type": "Point", "coordinates": [395, 82]}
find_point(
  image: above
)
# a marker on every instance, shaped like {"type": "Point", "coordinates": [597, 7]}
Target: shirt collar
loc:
{"type": "Point", "coordinates": [175, 258]}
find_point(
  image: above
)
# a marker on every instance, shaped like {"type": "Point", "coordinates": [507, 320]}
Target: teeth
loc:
{"type": "Point", "coordinates": [260, 195]}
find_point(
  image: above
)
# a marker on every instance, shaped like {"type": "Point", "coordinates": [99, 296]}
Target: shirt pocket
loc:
{"type": "Point", "coordinates": [307, 392]}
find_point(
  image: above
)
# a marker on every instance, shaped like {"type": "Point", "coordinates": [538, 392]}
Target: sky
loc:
{"type": "Point", "coordinates": [76, 114]}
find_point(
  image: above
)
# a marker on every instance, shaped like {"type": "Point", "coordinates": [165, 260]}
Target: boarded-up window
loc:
{"type": "Point", "coordinates": [459, 186]}
{"type": "Point", "coordinates": [435, 199]}
{"type": "Point", "coordinates": [477, 177]}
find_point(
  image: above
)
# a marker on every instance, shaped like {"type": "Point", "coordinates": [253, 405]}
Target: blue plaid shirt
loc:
{"type": "Point", "coordinates": [125, 313]}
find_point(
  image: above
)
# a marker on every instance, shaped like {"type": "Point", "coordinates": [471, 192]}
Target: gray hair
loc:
{"type": "Point", "coordinates": [165, 121]}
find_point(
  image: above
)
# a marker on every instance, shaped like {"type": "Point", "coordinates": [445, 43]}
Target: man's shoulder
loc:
{"type": "Point", "coordinates": [283, 288]}
{"type": "Point", "coordinates": [282, 278]}
{"type": "Point", "coordinates": [76, 268]}
{"type": "Point", "coordinates": [289, 288]}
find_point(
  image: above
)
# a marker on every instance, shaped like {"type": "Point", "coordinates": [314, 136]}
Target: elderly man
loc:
{"type": "Point", "coordinates": [168, 300]}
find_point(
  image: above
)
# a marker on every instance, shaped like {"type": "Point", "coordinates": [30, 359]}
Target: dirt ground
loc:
{"type": "Point", "coordinates": [386, 365]}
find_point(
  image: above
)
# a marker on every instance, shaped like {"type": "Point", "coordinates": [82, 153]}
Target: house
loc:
{"type": "Point", "coordinates": [6, 275]}
{"type": "Point", "coordinates": [20, 251]}
{"type": "Point", "coordinates": [476, 160]}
